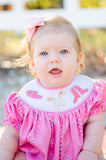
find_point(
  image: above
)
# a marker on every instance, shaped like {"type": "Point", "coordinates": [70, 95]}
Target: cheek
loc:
{"type": "Point", "coordinates": [70, 63]}
{"type": "Point", "coordinates": [40, 68]}
{"type": "Point", "coordinates": [37, 63]}
{"type": "Point", "coordinates": [70, 66]}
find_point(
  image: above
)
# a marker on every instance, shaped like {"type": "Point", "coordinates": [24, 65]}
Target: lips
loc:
{"type": "Point", "coordinates": [55, 71]}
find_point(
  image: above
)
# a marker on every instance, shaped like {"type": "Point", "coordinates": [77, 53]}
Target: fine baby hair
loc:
{"type": "Point", "coordinates": [36, 27]}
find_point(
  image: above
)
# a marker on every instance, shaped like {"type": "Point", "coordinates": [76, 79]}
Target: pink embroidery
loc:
{"type": "Point", "coordinates": [82, 91]}
{"type": "Point", "coordinates": [77, 92]}
{"type": "Point", "coordinates": [76, 95]}
{"type": "Point", "coordinates": [33, 94]}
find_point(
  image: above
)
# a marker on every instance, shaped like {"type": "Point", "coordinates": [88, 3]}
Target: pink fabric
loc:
{"type": "Point", "coordinates": [100, 99]}
{"type": "Point", "coordinates": [32, 23]}
{"type": "Point", "coordinates": [52, 135]}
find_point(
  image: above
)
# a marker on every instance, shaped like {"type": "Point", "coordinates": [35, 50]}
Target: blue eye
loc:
{"type": "Point", "coordinates": [64, 51]}
{"type": "Point", "coordinates": [44, 53]}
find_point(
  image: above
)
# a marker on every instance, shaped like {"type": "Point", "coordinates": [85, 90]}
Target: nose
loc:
{"type": "Point", "coordinates": [54, 59]}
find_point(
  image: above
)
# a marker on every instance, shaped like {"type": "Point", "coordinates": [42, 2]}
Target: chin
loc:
{"type": "Point", "coordinates": [58, 84]}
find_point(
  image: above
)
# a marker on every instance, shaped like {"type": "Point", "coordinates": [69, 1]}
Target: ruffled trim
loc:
{"type": "Point", "coordinates": [13, 124]}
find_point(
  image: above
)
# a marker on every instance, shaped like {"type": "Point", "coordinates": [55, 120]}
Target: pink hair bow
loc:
{"type": "Point", "coordinates": [32, 23]}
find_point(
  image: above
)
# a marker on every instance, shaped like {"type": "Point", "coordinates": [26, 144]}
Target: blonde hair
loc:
{"type": "Point", "coordinates": [60, 24]}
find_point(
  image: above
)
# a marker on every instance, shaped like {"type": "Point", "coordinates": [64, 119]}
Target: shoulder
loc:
{"type": "Point", "coordinates": [98, 85]}
{"type": "Point", "coordinates": [93, 93]}
{"type": "Point", "coordinates": [29, 87]}
{"type": "Point", "coordinates": [84, 81]}
{"type": "Point", "coordinates": [83, 77]}
{"type": "Point", "coordinates": [29, 93]}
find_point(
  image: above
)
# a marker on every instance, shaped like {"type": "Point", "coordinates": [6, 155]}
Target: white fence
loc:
{"type": "Point", "coordinates": [81, 18]}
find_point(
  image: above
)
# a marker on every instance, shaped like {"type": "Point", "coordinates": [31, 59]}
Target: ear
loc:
{"type": "Point", "coordinates": [79, 60]}
{"type": "Point", "coordinates": [80, 57]}
{"type": "Point", "coordinates": [31, 64]}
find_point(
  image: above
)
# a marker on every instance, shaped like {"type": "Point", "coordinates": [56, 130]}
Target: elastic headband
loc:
{"type": "Point", "coordinates": [32, 23]}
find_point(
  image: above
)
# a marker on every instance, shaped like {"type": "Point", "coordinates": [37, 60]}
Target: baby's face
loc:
{"type": "Point", "coordinates": [55, 59]}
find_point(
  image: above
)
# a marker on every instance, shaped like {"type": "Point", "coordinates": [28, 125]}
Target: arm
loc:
{"type": "Point", "coordinates": [93, 137]}
{"type": "Point", "coordinates": [8, 143]}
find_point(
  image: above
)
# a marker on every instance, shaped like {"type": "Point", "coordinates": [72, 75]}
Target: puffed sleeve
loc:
{"type": "Point", "coordinates": [13, 111]}
{"type": "Point", "coordinates": [100, 97]}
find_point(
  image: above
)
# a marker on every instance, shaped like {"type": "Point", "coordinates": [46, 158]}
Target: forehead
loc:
{"type": "Point", "coordinates": [54, 29]}
{"type": "Point", "coordinates": [50, 36]}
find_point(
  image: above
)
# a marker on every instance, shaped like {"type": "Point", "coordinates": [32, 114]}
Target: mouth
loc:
{"type": "Point", "coordinates": [55, 71]}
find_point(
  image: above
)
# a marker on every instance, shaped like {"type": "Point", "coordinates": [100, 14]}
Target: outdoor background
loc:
{"type": "Point", "coordinates": [93, 41]}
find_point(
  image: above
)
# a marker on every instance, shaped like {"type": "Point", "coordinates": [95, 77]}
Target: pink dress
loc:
{"type": "Point", "coordinates": [50, 121]}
